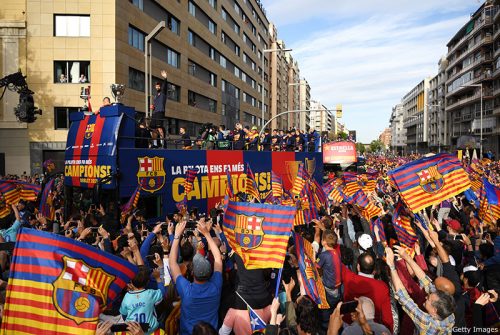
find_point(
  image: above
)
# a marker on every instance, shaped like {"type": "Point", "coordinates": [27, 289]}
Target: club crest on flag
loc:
{"type": "Point", "coordinates": [80, 290]}
{"type": "Point", "coordinates": [430, 179]}
{"type": "Point", "coordinates": [89, 131]}
{"type": "Point", "coordinates": [151, 173]}
{"type": "Point", "coordinates": [248, 231]}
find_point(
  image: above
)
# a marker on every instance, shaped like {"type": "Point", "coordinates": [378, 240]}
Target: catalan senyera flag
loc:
{"type": "Point", "coordinates": [59, 286]}
{"type": "Point", "coordinates": [251, 184]}
{"type": "Point", "coordinates": [277, 185]}
{"type": "Point", "coordinates": [429, 180]}
{"type": "Point", "coordinates": [29, 192]}
{"type": "Point", "coordinates": [11, 193]}
{"type": "Point", "coordinates": [259, 233]}
{"type": "Point", "coordinates": [46, 208]}
{"type": "Point", "coordinates": [311, 279]}
{"type": "Point", "coordinates": [300, 180]}
{"type": "Point", "coordinates": [188, 181]}
{"type": "Point", "coordinates": [402, 225]}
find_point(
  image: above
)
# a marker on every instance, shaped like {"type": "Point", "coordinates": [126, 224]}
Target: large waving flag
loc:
{"type": "Point", "coordinates": [131, 204]}
{"type": "Point", "coordinates": [46, 208]}
{"type": "Point", "coordinates": [492, 192]}
{"type": "Point", "coordinates": [60, 286]}
{"type": "Point", "coordinates": [311, 279]}
{"type": "Point", "coordinates": [429, 180]}
{"type": "Point", "coordinates": [380, 225]}
{"type": "Point", "coordinates": [188, 181]}
{"type": "Point", "coordinates": [259, 233]}
{"type": "Point", "coordinates": [402, 225]}
{"type": "Point", "coordinates": [351, 183]}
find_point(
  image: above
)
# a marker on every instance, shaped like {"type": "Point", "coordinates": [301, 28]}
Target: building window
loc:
{"type": "Point", "coordinates": [223, 84]}
{"type": "Point", "coordinates": [72, 25]}
{"type": "Point", "coordinates": [212, 53]}
{"type": "Point", "coordinates": [191, 37]}
{"type": "Point", "coordinates": [173, 58]}
{"type": "Point", "coordinates": [192, 8]}
{"type": "Point", "coordinates": [136, 79]}
{"type": "Point", "coordinates": [222, 61]}
{"type": "Point", "coordinates": [236, 50]}
{"type": "Point", "coordinates": [236, 71]}
{"type": "Point", "coordinates": [71, 72]}
{"type": "Point", "coordinates": [174, 24]}
{"type": "Point", "coordinates": [223, 109]}
{"type": "Point", "coordinates": [213, 3]}
{"type": "Point", "coordinates": [212, 27]}
{"type": "Point", "coordinates": [213, 80]}
{"type": "Point", "coordinates": [138, 3]}
{"type": "Point", "coordinates": [61, 116]}
{"type": "Point", "coordinates": [224, 14]}
{"type": "Point", "coordinates": [136, 38]}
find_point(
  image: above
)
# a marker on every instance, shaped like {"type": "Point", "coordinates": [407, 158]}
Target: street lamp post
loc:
{"type": "Point", "coordinates": [264, 51]}
{"type": "Point", "coordinates": [480, 119]}
{"type": "Point", "coordinates": [147, 70]}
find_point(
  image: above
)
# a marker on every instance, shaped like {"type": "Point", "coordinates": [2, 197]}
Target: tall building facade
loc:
{"type": "Point", "coordinates": [438, 121]}
{"type": "Point", "coordinates": [415, 109]}
{"type": "Point", "coordinates": [321, 119]}
{"type": "Point", "coordinates": [386, 137]}
{"type": "Point", "coordinates": [398, 131]}
{"type": "Point", "coordinates": [293, 90]}
{"type": "Point", "coordinates": [212, 51]}
{"type": "Point", "coordinates": [305, 104]}
{"type": "Point", "coordinates": [470, 81]}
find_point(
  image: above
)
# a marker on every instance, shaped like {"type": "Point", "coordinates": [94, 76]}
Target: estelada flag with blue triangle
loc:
{"type": "Point", "coordinates": [255, 321]}
{"type": "Point", "coordinates": [429, 180]}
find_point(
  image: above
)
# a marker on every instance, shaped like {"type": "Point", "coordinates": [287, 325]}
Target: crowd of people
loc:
{"type": "Point", "coordinates": [189, 281]}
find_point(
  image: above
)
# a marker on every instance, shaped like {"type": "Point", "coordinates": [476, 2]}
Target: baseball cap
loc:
{"type": "Point", "coordinates": [365, 241]}
{"type": "Point", "coordinates": [453, 224]}
{"type": "Point", "coordinates": [201, 268]}
{"type": "Point", "coordinates": [254, 128]}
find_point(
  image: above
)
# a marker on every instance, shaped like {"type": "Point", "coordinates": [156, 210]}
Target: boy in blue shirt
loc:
{"type": "Point", "coordinates": [139, 303]}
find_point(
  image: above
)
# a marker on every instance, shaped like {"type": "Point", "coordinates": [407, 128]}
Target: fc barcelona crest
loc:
{"type": "Point", "coordinates": [80, 290]}
{"type": "Point", "coordinates": [430, 179]}
{"type": "Point", "coordinates": [89, 131]}
{"type": "Point", "coordinates": [151, 173]}
{"type": "Point", "coordinates": [248, 231]}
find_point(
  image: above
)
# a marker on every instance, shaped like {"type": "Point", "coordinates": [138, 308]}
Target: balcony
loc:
{"type": "Point", "coordinates": [483, 58]}
{"type": "Point", "coordinates": [463, 101]}
{"type": "Point", "coordinates": [483, 23]}
{"type": "Point", "coordinates": [485, 40]}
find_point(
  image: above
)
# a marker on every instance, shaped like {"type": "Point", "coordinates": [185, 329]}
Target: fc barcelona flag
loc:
{"type": "Point", "coordinates": [188, 182]}
{"type": "Point", "coordinates": [10, 192]}
{"type": "Point", "coordinates": [29, 192]}
{"type": "Point", "coordinates": [46, 208]}
{"type": "Point", "coordinates": [259, 233]}
{"type": "Point", "coordinates": [59, 286]}
{"type": "Point", "coordinates": [430, 180]}
{"type": "Point", "coordinates": [311, 279]}
{"type": "Point", "coordinates": [404, 231]}
{"type": "Point", "coordinates": [300, 180]}
{"type": "Point", "coordinates": [251, 184]}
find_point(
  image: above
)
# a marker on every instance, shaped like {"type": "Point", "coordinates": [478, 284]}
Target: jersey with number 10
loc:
{"type": "Point", "coordinates": [139, 306]}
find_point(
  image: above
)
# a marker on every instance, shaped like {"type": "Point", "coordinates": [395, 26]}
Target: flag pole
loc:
{"type": "Point", "coordinates": [276, 292]}
{"type": "Point", "coordinates": [248, 306]}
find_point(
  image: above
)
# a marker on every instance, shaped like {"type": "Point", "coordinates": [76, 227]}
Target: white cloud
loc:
{"type": "Point", "coordinates": [369, 61]}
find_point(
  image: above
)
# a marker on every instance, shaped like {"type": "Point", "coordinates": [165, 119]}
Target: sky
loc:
{"type": "Point", "coordinates": [367, 54]}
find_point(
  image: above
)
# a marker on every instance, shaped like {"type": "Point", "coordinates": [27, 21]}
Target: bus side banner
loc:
{"type": "Point", "coordinates": [162, 172]}
{"type": "Point", "coordinates": [90, 154]}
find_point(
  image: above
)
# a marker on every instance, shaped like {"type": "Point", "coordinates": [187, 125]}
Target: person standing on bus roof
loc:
{"type": "Point", "coordinates": [158, 107]}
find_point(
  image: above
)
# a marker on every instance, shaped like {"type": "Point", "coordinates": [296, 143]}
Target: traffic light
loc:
{"type": "Point", "coordinates": [26, 110]}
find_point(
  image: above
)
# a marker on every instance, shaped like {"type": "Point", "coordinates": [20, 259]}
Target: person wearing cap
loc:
{"type": "Point", "coordinates": [200, 299]}
{"type": "Point", "coordinates": [364, 284]}
{"type": "Point", "coordinates": [158, 106]}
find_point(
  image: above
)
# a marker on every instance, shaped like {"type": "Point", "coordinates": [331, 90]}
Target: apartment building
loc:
{"type": "Point", "coordinates": [398, 131]}
{"type": "Point", "coordinates": [386, 137]}
{"type": "Point", "coordinates": [470, 82]}
{"type": "Point", "coordinates": [321, 119]}
{"type": "Point", "coordinates": [305, 104]}
{"type": "Point", "coordinates": [293, 90]}
{"type": "Point", "coordinates": [211, 49]}
{"type": "Point", "coordinates": [438, 121]}
{"type": "Point", "coordinates": [415, 117]}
